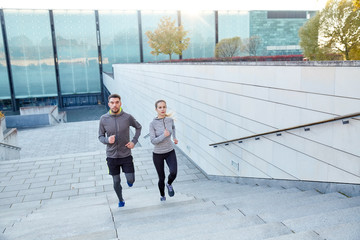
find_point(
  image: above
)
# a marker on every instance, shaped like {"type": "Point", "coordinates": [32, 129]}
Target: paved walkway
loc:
{"type": "Point", "coordinates": [68, 195]}
{"type": "Point", "coordinates": [74, 137]}
{"type": "Point", "coordinates": [66, 162]}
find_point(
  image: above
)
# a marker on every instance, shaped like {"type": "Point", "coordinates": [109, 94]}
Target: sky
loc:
{"type": "Point", "coordinates": [184, 5]}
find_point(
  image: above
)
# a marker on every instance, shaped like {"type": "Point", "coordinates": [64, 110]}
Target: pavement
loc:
{"type": "Point", "coordinates": [66, 162]}
{"type": "Point", "coordinates": [60, 190]}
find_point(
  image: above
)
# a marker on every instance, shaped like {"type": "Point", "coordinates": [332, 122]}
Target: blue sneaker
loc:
{"type": "Point", "coordinates": [171, 191]}
{"type": "Point", "coordinates": [130, 184]}
{"type": "Point", "coordinates": [162, 198]}
{"type": "Point", "coordinates": [121, 203]}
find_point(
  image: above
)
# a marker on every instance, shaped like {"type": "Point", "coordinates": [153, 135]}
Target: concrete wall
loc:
{"type": "Point", "coordinates": [218, 102]}
{"type": "Point", "coordinates": [7, 152]}
{"type": "Point", "coordinates": [36, 116]}
{"type": "Point", "coordinates": [2, 128]}
{"type": "Point", "coordinates": [8, 142]}
{"type": "Point", "coordinates": [53, 111]}
{"type": "Point", "coordinates": [28, 121]}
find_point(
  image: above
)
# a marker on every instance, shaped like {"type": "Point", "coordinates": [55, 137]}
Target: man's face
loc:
{"type": "Point", "coordinates": [114, 104]}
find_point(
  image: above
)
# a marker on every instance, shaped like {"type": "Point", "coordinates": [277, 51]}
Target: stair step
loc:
{"type": "Point", "coordinates": [220, 190]}
{"type": "Point", "coordinates": [310, 235]}
{"type": "Point", "coordinates": [332, 218]}
{"type": "Point", "coordinates": [257, 205]}
{"type": "Point", "coordinates": [182, 220]}
{"type": "Point", "coordinates": [54, 221]}
{"type": "Point", "coordinates": [348, 231]}
{"type": "Point", "coordinates": [311, 209]}
{"type": "Point", "coordinates": [256, 232]}
{"type": "Point", "coordinates": [194, 207]}
{"type": "Point", "coordinates": [173, 230]}
{"type": "Point", "coordinates": [261, 195]}
{"type": "Point", "coordinates": [147, 199]}
{"type": "Point", "coordinates": [286, 205]}
{"type": "Point", "coordinates": [103, 235]}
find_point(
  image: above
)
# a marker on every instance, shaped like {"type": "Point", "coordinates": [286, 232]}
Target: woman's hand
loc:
{"type": "Point", "coordinates": [176, 141]}
{"type": "Point", "coordinates": [166, 133]}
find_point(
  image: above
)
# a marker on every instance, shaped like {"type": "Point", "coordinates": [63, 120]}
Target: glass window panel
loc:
{"type": "Point", "coordinates": [150, 21]}
{"type": "Point", "coordinates": [31, 53]}
{"type": "Point", "coordinates": [233, 24]}
{"type": "Point", "coordinates": [4, 78]}
{"type": "Point", "coordinates": [278, 36]}
{"type": "Point", "coordinates": [201, 27]}
{"type": "Point", "coordinates": [77, 51]}
{"type": "Point", "coordinates": [119, 38]}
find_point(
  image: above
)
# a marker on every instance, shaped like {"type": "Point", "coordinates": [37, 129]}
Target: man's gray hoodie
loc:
{"type": "Point", "coordinates": [161, 143]}
{"type": "Point", "coordinates": [118, 125]}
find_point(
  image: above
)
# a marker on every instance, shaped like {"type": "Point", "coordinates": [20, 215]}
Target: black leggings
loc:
{"type": "Point", "coordinates": [171, 161]}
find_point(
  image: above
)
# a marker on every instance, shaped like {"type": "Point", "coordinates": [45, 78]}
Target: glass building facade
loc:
{"type": "Point", "coordinates": [278, 30]}
{"type": "Point", "coordinates": [50, 57]}
{"type": "Point", "coordinates": [31, 55]}
{"type": "Point", "coordinates": [234, 24]}
{"type": "Point", "coordinates": [119, 38]}
{"type": "Point", "coordinates": [201, 27]}
{"type": "Point", "coordinates": [4, 78]}
{"type": "Point", "coordinates": [150, 21]}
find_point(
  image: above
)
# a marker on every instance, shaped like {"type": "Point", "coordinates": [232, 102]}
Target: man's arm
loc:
{"type": "Point", "coordinates": [135, 124]}
{"type": "Point", "coordinates": [102, 138]}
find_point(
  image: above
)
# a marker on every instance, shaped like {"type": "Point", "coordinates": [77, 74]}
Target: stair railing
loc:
{"type": "Point", "coordinates": [306, 127]}
{"type": "Point", "coordinates": [9, 146]}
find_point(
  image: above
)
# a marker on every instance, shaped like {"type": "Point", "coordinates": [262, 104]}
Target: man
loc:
{"type": "Point", "coordinates": [114, 131]}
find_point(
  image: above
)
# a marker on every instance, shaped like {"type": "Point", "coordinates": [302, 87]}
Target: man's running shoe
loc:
{"type": "Point", "coordinates": [121, 203]}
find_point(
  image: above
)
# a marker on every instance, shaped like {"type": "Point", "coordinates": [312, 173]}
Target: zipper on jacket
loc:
{"type": "Point", "coordinates": [164, 123]}
{"type": "Point", "coordinates": [116, 140]}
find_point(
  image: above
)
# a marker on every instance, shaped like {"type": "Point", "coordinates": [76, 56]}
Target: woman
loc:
{"type": "Point", "coordinates": [161, 130]}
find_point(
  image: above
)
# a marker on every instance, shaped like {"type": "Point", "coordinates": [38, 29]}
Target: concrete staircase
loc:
{"type": "Point", "coordinates": [200, 209]}
{"type": "Point", "coordinates": [8, 141]}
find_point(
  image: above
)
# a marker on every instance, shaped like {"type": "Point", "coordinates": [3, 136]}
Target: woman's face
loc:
{"type": "Point", "coordinates": [161, 109]}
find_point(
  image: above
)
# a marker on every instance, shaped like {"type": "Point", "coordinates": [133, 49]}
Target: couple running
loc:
{"type": "Point", "coordinates": [114, 131]}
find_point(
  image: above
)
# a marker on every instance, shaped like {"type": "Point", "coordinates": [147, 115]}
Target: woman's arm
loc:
{"type": "Point", "coordinates": [155, 140]}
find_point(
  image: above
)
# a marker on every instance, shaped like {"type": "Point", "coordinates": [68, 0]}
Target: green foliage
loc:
{"type": "Point", "coordinates": [341, 27]}
{"type": "Point", "coordinates": [167, 38]}
{"type": "Point", "coordinates": [332, 32]}
{"type": "Point", "coordinates": [309, 38]}
{"type": "Point", "coordinates": [356, 4]}
{"type": "Point", "coordinates": [228, 47]}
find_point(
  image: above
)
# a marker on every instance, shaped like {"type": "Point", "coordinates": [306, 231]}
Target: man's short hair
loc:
{"type": "Point", "coordinates": [114, 95]}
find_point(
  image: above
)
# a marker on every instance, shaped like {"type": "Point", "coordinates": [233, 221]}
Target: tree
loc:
{"type": "Point", "coordinates": [333, 31]}
{"type": "Point", "coordinates": [251, 45]}
{"type": "Point", "coordinates": [167, 38]}
{"type": "Point", "coordinates": [228, 47]}
{"type": "Point", "coordinates": [356, 4]}
{"type": "Point", "coordinates": [309, 39]}
{"type": "Point", "coordinates": [340, 26]}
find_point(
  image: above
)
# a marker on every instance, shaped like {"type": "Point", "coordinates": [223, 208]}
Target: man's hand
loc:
{"type": "Point", "coordinates": [130, 145]}
{"type": "Point", "coordinates": [112, 139]}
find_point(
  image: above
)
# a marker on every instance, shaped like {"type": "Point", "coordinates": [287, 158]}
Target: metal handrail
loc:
{"type": "Point", "coordinates": [9, 146]}
{"type": "Point", "coordinates": [287, 129]}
